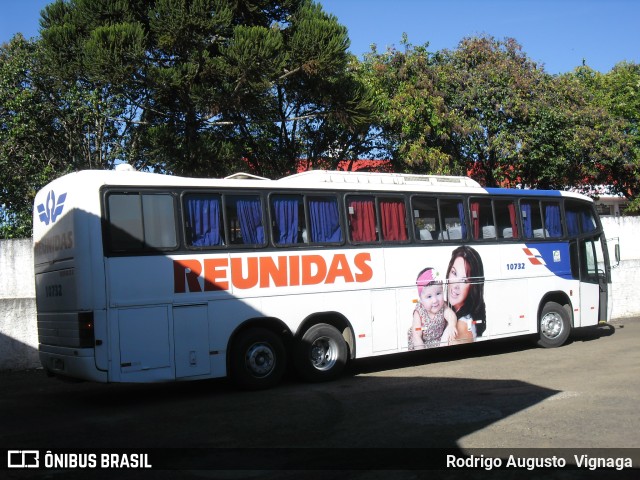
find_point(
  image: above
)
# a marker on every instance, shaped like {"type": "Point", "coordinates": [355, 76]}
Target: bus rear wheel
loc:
{"type": "Point", "coordinates": [555, 325]}
{"type": "Point", "coordinates": [321, 353]}
{"type": "Point", "coordinates": [258, 359]}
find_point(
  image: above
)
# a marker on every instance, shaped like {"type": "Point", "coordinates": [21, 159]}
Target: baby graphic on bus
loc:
{"type": "Point", "coordinates": [434, 322]}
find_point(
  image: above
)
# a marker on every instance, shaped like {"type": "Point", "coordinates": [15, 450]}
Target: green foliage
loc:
{"type": "Point", "coordinates": [618, 94]}
{"type": "Point", "coordinates": [31, 137]}
{"type": "Point", "coordinates": [206, 86]}
{"type": "Point", "coordinates": [193, 87]}
{"type": "Point", "coordinates": [492, 87]}
{"type": "Point", "coordinates": [210, 87]}
{"type": "Point", "coordinates": [487, 110]}
{"type": "Point", "coordinates": [411, 114]}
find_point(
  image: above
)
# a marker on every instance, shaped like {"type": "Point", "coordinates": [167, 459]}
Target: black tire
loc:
{"type": "Point", "coordinates": [321, 353]}
{"type": "Point", "coordinates": [257, 360]}
{"type": "Point", "coordinates": [554, 326]}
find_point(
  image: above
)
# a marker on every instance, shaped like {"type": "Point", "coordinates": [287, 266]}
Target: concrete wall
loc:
{"type": "Point", "coordinates": [627, 230]}
{"type": "Point", "coordinates": [18, 329]}
{"type": "Point", "coordinates": [626, 276]}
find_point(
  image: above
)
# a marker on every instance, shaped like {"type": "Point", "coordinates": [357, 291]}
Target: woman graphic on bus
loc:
{"type": "Point", "coordinates": [431, 316]}
{"type": "Point", "coordinates": [465, 293]}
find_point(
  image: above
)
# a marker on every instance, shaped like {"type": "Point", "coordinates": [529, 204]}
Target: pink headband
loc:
{"type": "Point", "coordinates": [425, 278]}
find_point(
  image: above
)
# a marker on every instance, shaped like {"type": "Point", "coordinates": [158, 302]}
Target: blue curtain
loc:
{"type": "Point", "coordinates": [249, 210]}
{"type": "Point", "coordinates": [552, 220]}
{"type": "Point", "coordinates": [573, 223]}
{"type": "Point", "coordinates": [286, 213]}
{"type": "Point", "coordinates": [203, 216]}
{"type": "Point", "coordinates": [588, 223]}
{"type": "Point", "coordinates": [463, 225]}
{"type": "Point", "coordinates": [526, 220]}
{"type": "Point", "coordinates": [325, 220]}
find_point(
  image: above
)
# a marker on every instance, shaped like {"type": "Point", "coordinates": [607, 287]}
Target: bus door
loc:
{"type": "Point", "coordinates": [594, 277]}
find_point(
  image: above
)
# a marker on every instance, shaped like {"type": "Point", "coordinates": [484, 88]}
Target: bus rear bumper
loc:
{"type": "Point", "coordinates": [71, 362]}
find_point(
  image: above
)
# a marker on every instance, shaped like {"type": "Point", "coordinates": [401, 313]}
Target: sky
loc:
{"type": "Point", "coordinates": [560, 34]}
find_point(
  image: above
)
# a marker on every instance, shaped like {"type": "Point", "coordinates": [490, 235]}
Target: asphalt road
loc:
{"type": "Point", "coordinates": [380, 416]}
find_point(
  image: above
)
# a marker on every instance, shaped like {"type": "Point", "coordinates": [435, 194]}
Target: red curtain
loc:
{"type": "Point", "coordinates": [362, 218]}
{"type": "Point", "coordinates": [475, 220]}
{"type": "Point", "coordinates": [394, 220]}
{"type": "Point", "coordinates": [514, 222]}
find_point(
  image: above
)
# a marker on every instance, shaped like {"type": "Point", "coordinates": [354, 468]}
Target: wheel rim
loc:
{"type": "Point", "coordinates": [551, 325]}
{"type": "Point", "coordinates": [260, 360]}
{"type": "Point", "coordinates": [324, 353]}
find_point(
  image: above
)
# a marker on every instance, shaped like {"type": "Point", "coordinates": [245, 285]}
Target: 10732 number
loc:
{"type": "Point", "coordinates": [515, 266]}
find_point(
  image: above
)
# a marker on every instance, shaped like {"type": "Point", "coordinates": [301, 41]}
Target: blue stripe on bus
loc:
{"type": "Point", "coordinates": [523, 193]}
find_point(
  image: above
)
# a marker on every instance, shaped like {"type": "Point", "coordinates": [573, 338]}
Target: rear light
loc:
{"type": "Point", "coordinates": [85, 330]}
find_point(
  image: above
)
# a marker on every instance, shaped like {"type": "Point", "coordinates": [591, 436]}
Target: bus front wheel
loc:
{"type": "Point", "coordinates": [555, 325]}
{"type": "Point", "coordinates": [258, 359]}
{"type": "Point", "coordinates": [321, 353]}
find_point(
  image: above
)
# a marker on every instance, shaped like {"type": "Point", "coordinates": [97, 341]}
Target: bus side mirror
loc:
{"type": "Point", "coordinates": [616, 250]}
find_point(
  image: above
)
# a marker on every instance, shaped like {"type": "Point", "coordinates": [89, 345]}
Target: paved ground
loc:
{"type": "Point", "coordinates": [387, 414]}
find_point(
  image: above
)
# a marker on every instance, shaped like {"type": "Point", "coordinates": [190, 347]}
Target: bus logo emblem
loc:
{"type": "Point", "coordinates": [534, 256]}
{"type": "Point", "coordinates": [52, 208]}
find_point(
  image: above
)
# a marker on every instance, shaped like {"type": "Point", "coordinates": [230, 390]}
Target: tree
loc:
{"type": "Point", "coordinates": [571, 141]}
{"type": "Point", "coordinates": [415, 126]}
{"type": "Point", "coordinates": [489, 86]}
{"type": "Point", "coordinates": [30, 145]}
{"type": "Point", "coordinates": [618, 93]}
{"type": "Point", "coordinates": [210, 86]}
{"type": "Point", "coordinates": [456, 112]}
{"type": "Point", "coordinates": [193, 87]}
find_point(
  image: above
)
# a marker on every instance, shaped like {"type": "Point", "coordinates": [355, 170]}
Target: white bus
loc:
{"type": "Point", "coordinates": [143, 277]}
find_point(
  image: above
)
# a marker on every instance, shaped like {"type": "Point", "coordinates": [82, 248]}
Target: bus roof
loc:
{"type": "Point", "coordinates": [313, 179]}
{"type": "Point", "coordinates": [375, 178]}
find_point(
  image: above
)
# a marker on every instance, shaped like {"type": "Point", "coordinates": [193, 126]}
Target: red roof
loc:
{"type": "Point", "coordinates": [360, 165]}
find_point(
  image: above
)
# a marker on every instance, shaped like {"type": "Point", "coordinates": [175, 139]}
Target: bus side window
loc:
{"type": "Point", "coordinates": [203, 218]}
{"type": "Point", "coordinates": [324, 220]}
{"type": "Point", "coordinates": [125, 222]}
{"type": "Point", "coordinates": [552, 222]}
{"type": "Point", "coordinates": [531, 219]}
{"type": "Point", "coordinates": [288, 220]}
{"type": "Point", "coordinates": [579, 218]}
{"type": "Point", "coordinates": [425, 218]}
{"type": "Point", "coordinates": [140, 222]}
{"type": "Point", "coordinates": [159, 221]}
{"type": "Point", "coordinates": [506, 219]}
{"type": "Point", "coordinates": [482, 223]}
{"type": "Point", "coordinates": [452, 219]}
{"type": "Point", "coordinates": [243, 215]}
{"type": "Point", "coordinates": [362, 219]}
